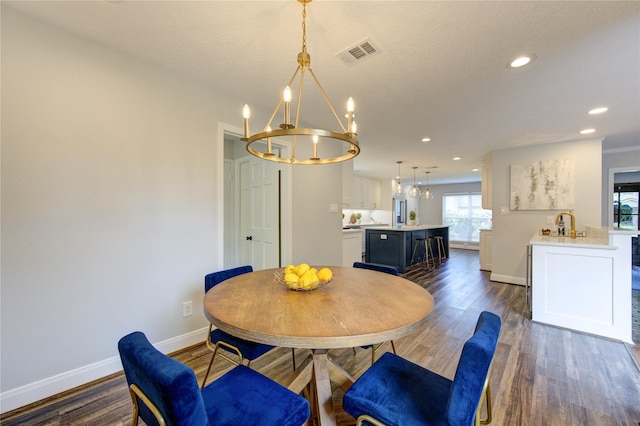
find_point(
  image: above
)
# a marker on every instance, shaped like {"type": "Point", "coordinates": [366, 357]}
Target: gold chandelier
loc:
{"type": "Point", "coordinates": [291, 130]}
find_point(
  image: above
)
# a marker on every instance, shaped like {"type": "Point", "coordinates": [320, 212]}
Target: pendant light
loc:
{"type": "Point", "coordinates": [398, 189]}
{"type": "Point", "coordinates": [414, 191]}
{"type": "Point", "coordinates": [427, 195]}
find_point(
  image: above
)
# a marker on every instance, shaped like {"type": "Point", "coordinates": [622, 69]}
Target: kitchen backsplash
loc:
{"type": "Point", "coordinates": [367, 217]}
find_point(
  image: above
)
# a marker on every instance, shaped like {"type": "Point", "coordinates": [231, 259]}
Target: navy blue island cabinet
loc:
{"type": "Point", "coordinates": [394, 246]}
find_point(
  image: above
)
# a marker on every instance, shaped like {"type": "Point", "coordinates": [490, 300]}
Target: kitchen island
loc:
{"type": "Point", "coordinates": [583, 284]}
{"type": "Point", "coordinates": [393, 246]}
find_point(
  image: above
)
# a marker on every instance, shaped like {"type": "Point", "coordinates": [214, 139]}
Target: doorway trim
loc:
{"type": "Point", "coordinates": [286, 205]}
{"type": "Point", "coordinates": [612, 173]}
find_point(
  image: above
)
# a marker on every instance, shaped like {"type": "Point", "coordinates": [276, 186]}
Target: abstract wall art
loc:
{"type": "Point", "coordinates": [542, 185]}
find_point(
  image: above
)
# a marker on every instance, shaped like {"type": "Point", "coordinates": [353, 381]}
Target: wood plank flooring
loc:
{"type": "Point", "coordinates": [541, 375]}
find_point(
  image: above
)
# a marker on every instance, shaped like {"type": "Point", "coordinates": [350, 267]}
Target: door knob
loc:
{"type": "Point", "coordinates": [249, 238]}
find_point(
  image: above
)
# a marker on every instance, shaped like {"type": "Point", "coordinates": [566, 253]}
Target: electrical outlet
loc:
{"type": "Point", "coordinates": [549, 220]}
{"type": "Point", "coordinates": [187, 309]}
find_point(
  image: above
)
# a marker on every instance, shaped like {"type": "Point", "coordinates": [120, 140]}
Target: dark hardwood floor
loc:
{"type": "Point", "coordinates": [541, 375]}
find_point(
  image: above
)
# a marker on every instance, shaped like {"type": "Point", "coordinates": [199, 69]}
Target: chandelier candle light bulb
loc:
{"type": "Point", "coordinates": [287, 107]}
{"type": "Point", "coordinates": [246, 114]}
{"type": "Point", "coordinates": [350, 108]}
{"type": "Point", "coordinates": [315, 147]}
{"type": "Point", "coordinates": [269, 153]}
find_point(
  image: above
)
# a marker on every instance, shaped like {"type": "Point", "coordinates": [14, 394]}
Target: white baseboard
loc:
{"type": "Point", "coordinates": [32, 392]}
{"type": "Point", "coordinates": [465, 246]}
{"type": "Point", "coordinates": [507, 279]}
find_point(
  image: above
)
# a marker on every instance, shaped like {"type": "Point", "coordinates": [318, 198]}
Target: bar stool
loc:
{"type": "Point", "coordinates": [442, 253]}
{"type": "Point", "coordinates": [428, 251]}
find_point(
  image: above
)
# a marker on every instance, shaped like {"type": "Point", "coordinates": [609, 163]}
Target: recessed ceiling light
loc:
{"type": "Point", "coordinates": [457, 158]}
{"type": "Point", "coordinates": [587, 131]}
{"type": "Point", "coordinates": [599, 110]}
{"type": "Point", "coordinates": [426, 139]}
{"type": "Point", "coordinates": [475, 170]}
{"type": "Point", "coordinates": [522, 61]}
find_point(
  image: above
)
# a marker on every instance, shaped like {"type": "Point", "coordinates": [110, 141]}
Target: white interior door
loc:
{"type": "Point", "coordinates": [259, 245]}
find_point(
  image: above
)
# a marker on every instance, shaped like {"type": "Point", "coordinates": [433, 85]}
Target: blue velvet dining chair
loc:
{"type": "Point", "coordinates": [165, 392]}
{"type": "Point", "coordinates": [216, 338]}
{"type": "Point", "coordinates": [395, 391]}
{"type": "Point", "coordinates": [387, 270]}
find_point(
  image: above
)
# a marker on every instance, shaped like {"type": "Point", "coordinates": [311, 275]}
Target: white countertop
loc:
{"type": "Point", "coordinates": [586, 242]}
{"type": "Point", "coordinates": [364, 225]}
{"type": "Point", "coordinates": [598, 237]}
{"type": "Point", "coordinates": [410, 228]}
{"type": "Point", "coordinates": [351, 231]}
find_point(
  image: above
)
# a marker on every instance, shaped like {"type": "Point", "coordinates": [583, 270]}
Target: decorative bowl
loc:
{"type": "Point", "coordinates": [298, 285]}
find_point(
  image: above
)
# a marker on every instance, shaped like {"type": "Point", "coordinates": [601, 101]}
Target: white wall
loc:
{"type": "Point", "coordinates": [512, 232]}
{"type": "Point", "coordinates": [317, 231]}
{"type": "Point", "coordinates": [109, 206]}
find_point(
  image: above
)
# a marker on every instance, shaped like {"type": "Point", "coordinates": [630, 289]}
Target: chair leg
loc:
{"type": "Point", "coordinates": [414, 252]}
{"type": "Point", "coordinates": [204, 381]}
{"type": "Point", "coordinates": [489, 406]}
{"type": "Point", "coordinates": [374, 347]}
{"type": "Point", "coordinates": [429, 253]}
{"type": "Point", "coordinates": [486, 396]}
{"type": "Point", "coordinates": [230, 348]}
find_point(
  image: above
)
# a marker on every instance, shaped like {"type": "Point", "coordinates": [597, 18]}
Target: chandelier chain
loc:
{"type": "Point", "coordinates": [304, 27]}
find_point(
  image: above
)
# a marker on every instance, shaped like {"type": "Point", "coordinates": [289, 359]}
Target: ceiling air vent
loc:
{"type": "Point", "coordinates": [360, 51]}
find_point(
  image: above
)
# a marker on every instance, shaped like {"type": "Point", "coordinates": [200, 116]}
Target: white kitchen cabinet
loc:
{"type": "Point", "coordinates": [351, 247]}
{"type": "Point", "coordinates": [485, 249]}
{"type": "Point", "coordinates": [366, 193]}
{"type": "Point", "coordinates": [584, 284]}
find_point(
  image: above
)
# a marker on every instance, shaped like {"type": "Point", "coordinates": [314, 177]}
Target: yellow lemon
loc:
{"type": "Point", "coordinates": [308, 280]}
{"type": "Point", "coordinates": [290, 269]}
{"type": "Point", "coordinates": [325, 274]}
{"type": "Point", "coordinates": [301, 269]}
{"type": "Point", "coordinates": [290, 278]}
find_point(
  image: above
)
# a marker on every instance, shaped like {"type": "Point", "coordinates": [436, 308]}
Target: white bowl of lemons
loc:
{"type": "Point", "coordinates": [303, 277]}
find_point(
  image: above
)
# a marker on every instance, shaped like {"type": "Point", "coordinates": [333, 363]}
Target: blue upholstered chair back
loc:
{"type": "Point", "coordinates": [215, 278]}
{"type": "Point", "coordinates": [171, 385]}
{"type": "Point", "coordinates": [472, 370]}
{"type": "Point", "coordinates": [376, 267]}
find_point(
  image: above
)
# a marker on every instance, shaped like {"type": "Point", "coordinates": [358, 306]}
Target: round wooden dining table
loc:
{"type": "Point", "coordinates": [357, 307]}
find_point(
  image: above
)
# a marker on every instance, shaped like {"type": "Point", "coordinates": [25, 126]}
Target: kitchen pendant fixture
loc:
{"type": "Point", "coordinates": [398, 189]}
{"type": "Point", "coordinates": [414, 191]}
{"type": "Point", "coordinates": [314, 138]}
{"type": "Point", "coordinates": [427, 195]}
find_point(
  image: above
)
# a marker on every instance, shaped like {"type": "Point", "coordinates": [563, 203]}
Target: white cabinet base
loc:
{"type": "Point", "coordinates": [351, 247]}
{"type": "Point", "coordinates": [584, 288]}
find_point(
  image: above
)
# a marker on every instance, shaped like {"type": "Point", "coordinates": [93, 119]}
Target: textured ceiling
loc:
{"type": "Point", "coordinates": [441, 71]}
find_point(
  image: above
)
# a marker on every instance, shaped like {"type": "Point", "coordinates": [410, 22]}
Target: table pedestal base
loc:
{"type": "Point", "coordinates": [316, 373]}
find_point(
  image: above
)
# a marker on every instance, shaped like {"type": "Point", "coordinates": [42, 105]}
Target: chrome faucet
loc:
{"type": "Point", "coordinates": [573, 222]}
